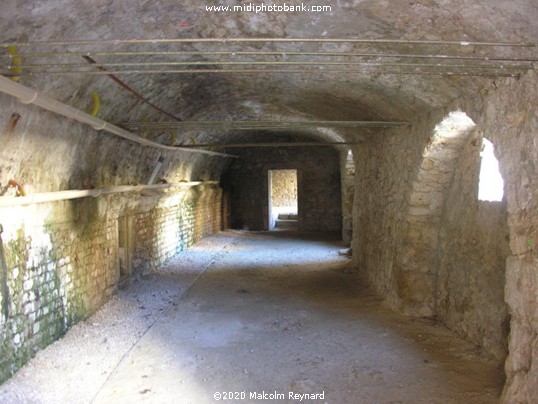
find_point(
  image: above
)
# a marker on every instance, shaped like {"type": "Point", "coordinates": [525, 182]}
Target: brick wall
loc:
{"type": "Point", "coordinates": [62, 258]}
{"type": "Point", "coordinates": [171, 227]}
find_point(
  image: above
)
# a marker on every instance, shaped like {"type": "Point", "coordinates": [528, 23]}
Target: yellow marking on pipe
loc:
{"type": "Point", "coordinates": [16, 62]}
{"type": "Point", "coordinates": [172, 138]}
{"type": "Point", "coordinates": [193, 140]}
{"type": "Point", "coordinates": [96, 104]}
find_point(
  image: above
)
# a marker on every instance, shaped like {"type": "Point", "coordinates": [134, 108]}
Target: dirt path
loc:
{"type": "Point", "coordinates": [270, 315]}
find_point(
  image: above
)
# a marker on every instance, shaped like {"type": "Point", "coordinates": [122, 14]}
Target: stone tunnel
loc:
{"type": "Point", "coordinates": [133, 131]}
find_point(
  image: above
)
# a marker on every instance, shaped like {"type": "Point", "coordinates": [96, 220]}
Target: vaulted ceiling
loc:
{"type": "Point", "coordinates": [339, 77]}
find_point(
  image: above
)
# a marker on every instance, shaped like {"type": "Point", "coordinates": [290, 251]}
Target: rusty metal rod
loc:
{"type": "Point", "coordinates": [130, 89]}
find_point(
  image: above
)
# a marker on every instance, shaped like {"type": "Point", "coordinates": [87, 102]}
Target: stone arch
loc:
{"type": "Point", "coordinates": [512, 126]}
{"type": "Point", "coordinates": [416, 257]}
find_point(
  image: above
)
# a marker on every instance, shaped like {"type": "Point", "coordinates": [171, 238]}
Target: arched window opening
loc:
{"type": "Point", "coordinates": [491, 184]}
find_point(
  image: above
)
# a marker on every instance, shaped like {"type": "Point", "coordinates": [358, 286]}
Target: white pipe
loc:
{"type": "Point", "coordinates": [157, 41]}
{"type": "Point", "coordinates": [83, 193]}
{"type": "Point", "coordinates": [28, 96]}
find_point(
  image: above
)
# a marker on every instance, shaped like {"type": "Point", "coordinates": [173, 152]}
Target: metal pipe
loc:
{"type": "Point", "coordinates": [29, 96]}
{"type": "Point", "coordinates": [3, 279]}
{"type": "Point", "coordinates": [274, 53]}
{"type": "Point", "coordinates": [268, 40]}
{"type": "Point", "coordinates": [83, 193]}
{"type": "Point", "coordinates": [249, 71]}
{"type": "Point", "coordinates": [273, 63]}
{"type": "Point", "coordinates": [285, 144]}
{"type": "Point", "coordinates": [264, 124]}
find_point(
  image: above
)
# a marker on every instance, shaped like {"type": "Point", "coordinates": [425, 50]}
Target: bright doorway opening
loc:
{"type": "Point", "coordinates": [283, 201]}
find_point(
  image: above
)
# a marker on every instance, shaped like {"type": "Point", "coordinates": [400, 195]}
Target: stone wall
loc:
{"type": "Point", "coordinates": [508, 117]}
{"type": "Point", "coordinates": [382, 183]}
{"type": "Point", "coordinates": [426, 244]}
{"type": "Point", "coordinates": [175, 224]}
{"type": "Point", "coordinates": [283, 184]}
{"type": "Point", "coordinates": [422, 239]}
{"type": "Point", "coordinates": [318, 173]}
{"type": "Point", "coordinates": [473, 246]}
{"type": "Point", "coordinates": [62, 259]}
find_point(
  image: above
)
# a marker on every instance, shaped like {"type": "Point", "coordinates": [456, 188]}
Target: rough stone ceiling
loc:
{"type": "Point", "coordinates": [341, 95]}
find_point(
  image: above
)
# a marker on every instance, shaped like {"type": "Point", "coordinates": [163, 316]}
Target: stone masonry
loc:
{"type": "Point", "coordinates": [433, 249]}
{"type": "Point", "coordinates": [318, 190]}
{"type": "Point", "coordinates": [61, 270]}
{"type": "Point", "coordinates": [423, 239]}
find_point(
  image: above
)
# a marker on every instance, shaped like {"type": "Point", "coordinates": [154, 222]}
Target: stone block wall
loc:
{"type": "Point", "coordinates": [283, 192]}
{"type": "Point", "coordinates": [175, 225]}
{"type": "Point", "coordinates": [382, 183]}
{"type": "Point", "coordinates": [63, 258]}
{"type": "Point", "coordinates": [45, 289]}
{"type": "Point", "coordinates": [421, 237]}
{"type": "Point", "coordinates": [508, 117]}
{"type": "Point", "coordinates": [425, 243]}
{"type": "Point", "coordinates": [473, 246]}
{"type": "Point", "coordinates": [62, 266]}
{"type": "Point", "coordinates": [318, 173]}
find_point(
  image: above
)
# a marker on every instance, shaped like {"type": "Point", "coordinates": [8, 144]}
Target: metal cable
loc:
{"type": "Point", "coordinates": [258, 71]}
{"type": "Point", "coordinates": [273, 53]}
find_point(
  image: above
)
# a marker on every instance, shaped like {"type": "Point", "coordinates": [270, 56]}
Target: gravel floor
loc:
{"type": "Point", "coordinates": [255, 312]}
{"type": "Point", "coordinates": [80, 363]}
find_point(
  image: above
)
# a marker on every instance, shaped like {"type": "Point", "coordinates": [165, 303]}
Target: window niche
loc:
{"type": "Point", "coordinates": [491, 184]}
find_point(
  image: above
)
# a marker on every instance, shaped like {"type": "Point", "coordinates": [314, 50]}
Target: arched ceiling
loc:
{"type": "Point", "coordinates": [330, 92]}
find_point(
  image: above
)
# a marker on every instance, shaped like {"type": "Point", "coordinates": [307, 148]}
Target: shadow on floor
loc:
{"type": "Point", "coordinates": [278, 313]}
